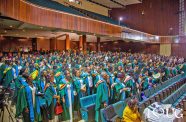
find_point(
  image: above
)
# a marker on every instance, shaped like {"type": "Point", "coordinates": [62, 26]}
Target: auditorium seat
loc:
{"type": "Point", "coordinates": [73, 10]}
{"type": "Point", "coordinates": [88, 107]}
{"type": "Point", "coordinates": [117, 113]}
{"type": "Point", "coordinates": [157, 94]}
{"type": "Point", "coordinates": [55, 5]}
{"type": "Point", "coordinates": [176, 97]}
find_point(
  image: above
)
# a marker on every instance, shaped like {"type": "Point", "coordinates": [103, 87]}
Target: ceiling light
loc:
{"type": "Point", "coordinates": [177, 40]}
{"type": "Point", "coordinates": [5, 31]}
{"type": "Point", "coordinates": [10, 26]}
{"type": "Point", "coordinates": [120, 18]}
{"type": "Point", "coordinates": [157, 38]}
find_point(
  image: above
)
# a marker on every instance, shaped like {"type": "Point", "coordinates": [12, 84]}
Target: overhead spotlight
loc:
{"type": "Point", "coordinates": [10, 26]}
{"type": "Point", "coordinates": [171, 28]}
{"type": "Point", "coordinates": [120, 18]}
{"type": "Point", "coordinates": [157, 38]}
{"type": "Point", "coordinates": [5, 31]}
{"type": "Point", "coordinates": [177, 40]}
{"type": "Point", "coordinates": [143, 12]}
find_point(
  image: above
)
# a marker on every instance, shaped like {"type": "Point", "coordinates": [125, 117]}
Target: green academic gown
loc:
{"type": "Point", "coordinates": [129, 83]}
{"type": "Point", "coordinates": [101, 96]}
{"type": "Point", "coordinates": [9, 76]}
{"type": "Point", "coordinates": [2, 68]}
{"type": "Point", "coordinates": [62, 92]}
{"type": "Point", "coordinates": [51, 102]}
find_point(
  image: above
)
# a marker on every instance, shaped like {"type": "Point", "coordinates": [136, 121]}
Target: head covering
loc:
{"type": "Point", "coordinates": [132, 102]}
{"type": "Point", "coordinates": [77, 66]}
{"type": "Point", "coordinates": [120, 75]}
{"type": "Point", "coordinates": [156, 74]}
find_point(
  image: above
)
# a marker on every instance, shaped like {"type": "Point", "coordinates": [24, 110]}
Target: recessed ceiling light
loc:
{"type": "Point", "coordinates": [10, 26]}
{"type": "Point", "coordinates": [5, 31]}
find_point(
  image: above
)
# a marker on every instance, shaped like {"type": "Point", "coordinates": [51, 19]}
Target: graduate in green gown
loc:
{"type": "Point", "coordinates": [70, 90]}
{"type": "Point", "coordinates": [101, 95]}
{"type": "Point", "coordinates": [51, 96]}
{"type": "Point", "coordinates": [119, 88]}
{"type": "Point", "coordinates": [62, 92]}
{"type": "Point", "coordinates": [8, 74]}
{"type": "Point", "coordinates": [2, 68]}
{"type": "Point", "coordinates": [167, 71]}
{"type": "Point", "coordinates": [25, 103]}
{"type": "Point", "coordinates": [129, 83]}
{"type": "Point", "coordinates": [79, 90]}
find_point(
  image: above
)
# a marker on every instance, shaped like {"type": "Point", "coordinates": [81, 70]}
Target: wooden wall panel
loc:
{"type": "Point", "coordinates": [14, 44]}
{"type": "Point", "coordinates": [33, 14]}
{"type": "Point", "coordinates": [74, 45]}
{"type": "Point", "coordinates": [133, 47]}
{"type": "Point", "coordinates": [179, 50]}
{"type": "Point", "coordinates": [61, 45]}
{"type": "Point", "coordinates": [159, 16]}
{"type": "Point", "coordinates": [91, 46]}
{"type": "Point", "coordinates": [43, 44]}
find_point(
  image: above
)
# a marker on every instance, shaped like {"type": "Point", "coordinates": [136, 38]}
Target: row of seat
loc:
{"type": "Point", "coordinates": [98, 16]}
{"type": "Point", "coordinates": [155, 94]}
{"type": "Point", "coordinates": [161, 86]}
{"type": "Point", "coordinates": [176, 97]}
{"type": "Point", "coordinates": [162, 95]}
{"type": "Point", "coordinates": [55, 5]}
{"type": "Point", "coordinates": [73, 10]}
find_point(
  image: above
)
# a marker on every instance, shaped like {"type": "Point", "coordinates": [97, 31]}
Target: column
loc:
{"type": "Point", "coordinates": [98, 44]}
{"type": "Point", "coordinates": [84, 43]}
{"type": "Point", "coordinates": [67, 42]}
{"type": "Point", "coordinates": [43, 44]}
{"type": "Point", "coordinates": [53, 44]}
{"type": "Point", "coordinates": [81, 43]}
